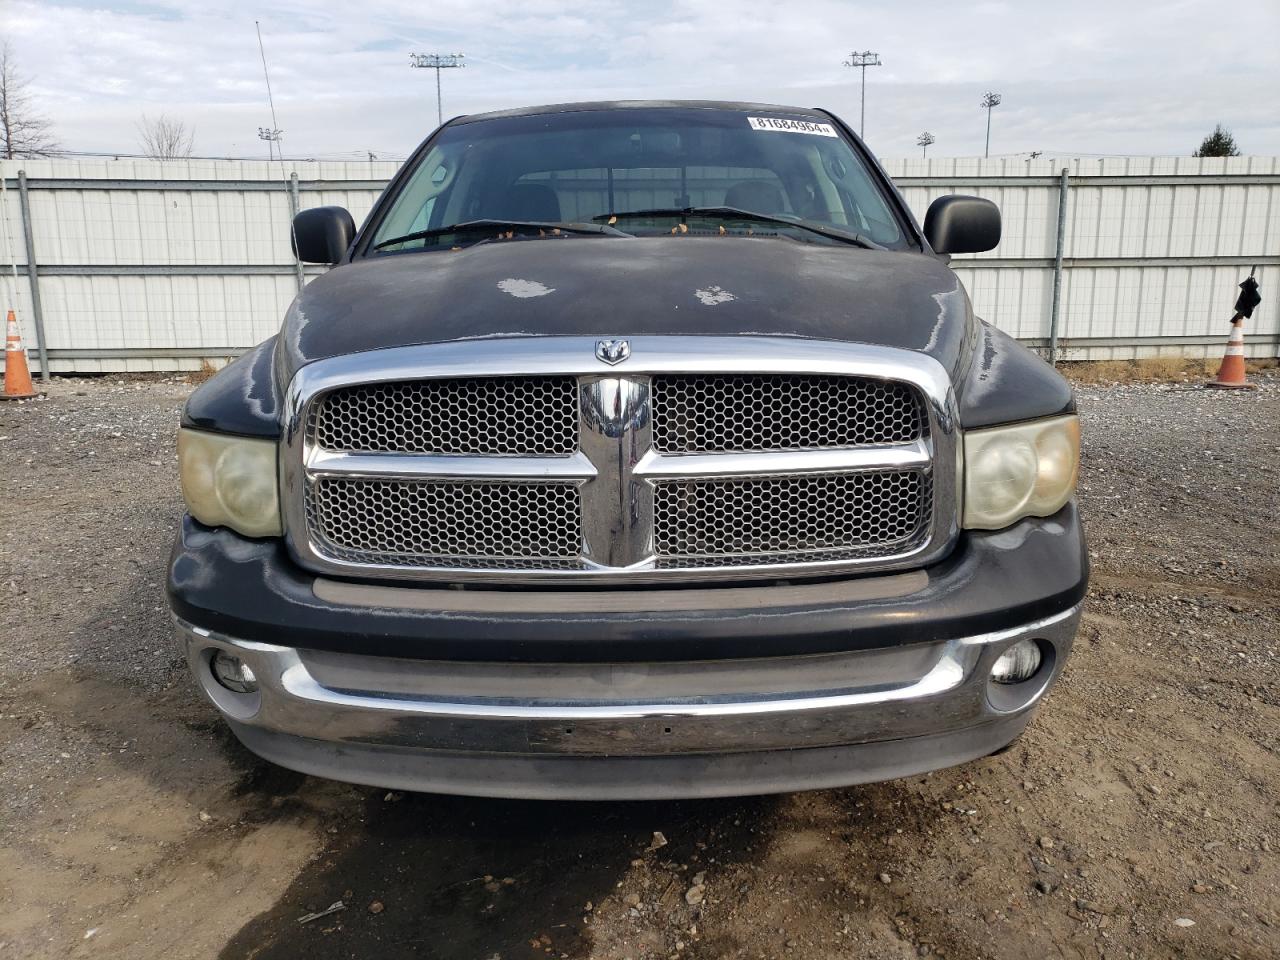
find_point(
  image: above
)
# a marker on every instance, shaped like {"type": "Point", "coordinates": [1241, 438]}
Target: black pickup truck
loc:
{"type": "Point", "coordinates": [632, 450]}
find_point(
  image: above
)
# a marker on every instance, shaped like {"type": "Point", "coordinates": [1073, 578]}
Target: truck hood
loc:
{"type": "Point", "coordinates": [620, 287]}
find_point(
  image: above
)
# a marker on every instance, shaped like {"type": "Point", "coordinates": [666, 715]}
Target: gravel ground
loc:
{"type": "Point", "coordinates": [1136, 818]}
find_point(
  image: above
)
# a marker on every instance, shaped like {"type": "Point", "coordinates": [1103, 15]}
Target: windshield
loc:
{"type": "Point", "coordinates": [665, 164]}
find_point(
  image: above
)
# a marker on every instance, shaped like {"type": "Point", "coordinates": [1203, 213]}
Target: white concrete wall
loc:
{"type": "Point", "coordinates": [149, 265]}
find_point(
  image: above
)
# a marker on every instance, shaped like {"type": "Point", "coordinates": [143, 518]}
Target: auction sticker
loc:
{"type": "Point", "coordinates": [786, 125]}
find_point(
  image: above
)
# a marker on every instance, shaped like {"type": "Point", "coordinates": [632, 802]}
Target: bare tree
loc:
{"type": "Point", "coordinates": [23, 131]}
{"type": "Point", "coordinates": [165, 139]}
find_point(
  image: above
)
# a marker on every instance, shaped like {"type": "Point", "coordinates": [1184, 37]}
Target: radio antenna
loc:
{"type": "Point", "coordinates": [272, 135]}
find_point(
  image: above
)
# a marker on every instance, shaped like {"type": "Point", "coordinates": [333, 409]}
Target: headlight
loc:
{"type": "Point", "coordinates": [1024, 470]}
{"type": "Point", "coordinates": [230, 482]}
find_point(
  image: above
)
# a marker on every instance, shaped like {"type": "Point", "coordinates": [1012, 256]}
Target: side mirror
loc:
{"type": "Point", "coordinates": [962, 225]}
{"type": "Point", "coordinates": [322, 234]}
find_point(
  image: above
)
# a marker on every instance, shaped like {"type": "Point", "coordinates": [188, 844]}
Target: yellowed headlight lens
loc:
{"type": "Point", "coordinates": [1023, 470]}
{"type": "Point", "coordinates": [230, 482]}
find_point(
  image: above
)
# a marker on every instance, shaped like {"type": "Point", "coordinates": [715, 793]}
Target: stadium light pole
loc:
{"type": "Point", "coordinates": [990, 99]}
{"type": "Point", "coordinates": [272, 135]}
{"type": "Point", "coordinates": [437, 62]}
{"type": "Point", "coordinates": [923, 141]}
{"type": "Point", "coordinates": [863, 60]}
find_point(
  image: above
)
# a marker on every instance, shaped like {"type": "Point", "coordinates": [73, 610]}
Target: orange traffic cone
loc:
{"type": "Point", "coordinates": [1231, 375]}
{"type": "Point", "coordinates": [17, 377]}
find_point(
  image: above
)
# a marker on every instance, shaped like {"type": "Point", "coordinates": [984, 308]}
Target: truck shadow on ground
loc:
{"type": "Point", "coordinates": [433, 876]}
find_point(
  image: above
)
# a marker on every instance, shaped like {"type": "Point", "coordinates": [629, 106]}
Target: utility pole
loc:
{"type": "Point", "coordinates": [923, 142]}
{"type": "Point", "coordinates": [863, 60]}
{"type": "Point", "coordinates": [437, 62]}
{"type": "Point", "coordinates": [990, 99]}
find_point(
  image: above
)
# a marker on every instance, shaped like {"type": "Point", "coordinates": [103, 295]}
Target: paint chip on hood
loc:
{"type": "Point", "coordinates": [524, 288]}
{"type": "Point", "coordinates": [713, 295]}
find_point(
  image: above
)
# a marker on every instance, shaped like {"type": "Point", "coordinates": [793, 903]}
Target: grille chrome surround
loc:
{"type": "Point", "coordinates": [622, 482]}
{"type": "Point", "coordinates": [703, 414]}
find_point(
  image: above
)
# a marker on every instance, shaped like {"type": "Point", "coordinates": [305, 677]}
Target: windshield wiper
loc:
{"type": "Point", "coordinates": [734, 213]}
{"type": "Point", "coordinates": [489, 225]}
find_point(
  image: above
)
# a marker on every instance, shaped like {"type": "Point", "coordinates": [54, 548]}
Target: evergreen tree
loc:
{"type": "Point", "coordinates": [1220, 143]}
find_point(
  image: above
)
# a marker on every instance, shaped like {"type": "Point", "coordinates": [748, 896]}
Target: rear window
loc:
{"type": "Point", "coordinates": [583, 194]}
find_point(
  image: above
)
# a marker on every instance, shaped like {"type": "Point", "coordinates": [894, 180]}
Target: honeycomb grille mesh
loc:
{"type": "Point", "coordinates": [432, 523]}
{"type": "Point", "coordinates": [709, 414]}
{"type": "Point", "coordinates": [492, 523]}
{"type": "Point", "coordinates": [789, 519]}
{"type": "Point", "coordinates": [487, 416]}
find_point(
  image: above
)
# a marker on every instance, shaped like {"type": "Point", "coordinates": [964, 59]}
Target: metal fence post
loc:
{"type": "Point", "coordinates": [1063, 187]}
{"type": "Point", "coordinates": [294, 206]}
{"type": "Point", "coordinates": [33, 277]}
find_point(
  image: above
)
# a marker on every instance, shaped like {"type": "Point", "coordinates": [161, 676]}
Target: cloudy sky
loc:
{"type": "Point", "coordinates": [1078, 78]}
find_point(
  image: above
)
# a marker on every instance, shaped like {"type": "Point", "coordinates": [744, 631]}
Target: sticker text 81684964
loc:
{"type": "Point", "coordinates": [789, 125]}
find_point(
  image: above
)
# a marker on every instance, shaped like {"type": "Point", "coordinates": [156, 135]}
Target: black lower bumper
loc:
{"type": "Point", "coordinates": [252, 589]}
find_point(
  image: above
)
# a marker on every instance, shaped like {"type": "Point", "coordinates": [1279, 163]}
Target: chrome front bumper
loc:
{"type": "Point", "coordinates": [631, 730]}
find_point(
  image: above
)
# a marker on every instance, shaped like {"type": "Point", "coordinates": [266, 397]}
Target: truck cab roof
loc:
{"type": "Point", "coordinates": [602, 105]}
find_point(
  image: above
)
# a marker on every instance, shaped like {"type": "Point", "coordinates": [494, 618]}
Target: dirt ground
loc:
{"type": "Point", "coordinates": [1137, 817]}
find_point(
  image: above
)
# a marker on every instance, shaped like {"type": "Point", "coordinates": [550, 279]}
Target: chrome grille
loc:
{"type": "Point", "coordinates": [493, 416]}
{"type": "Point", "coordinates": [527, 459]}
{"type": "Point", "coordinates": [442, 523]}
{"type": "Point", "coordinates": [785, 519]}
{"type": "Point", "coordinates": [707, 414]}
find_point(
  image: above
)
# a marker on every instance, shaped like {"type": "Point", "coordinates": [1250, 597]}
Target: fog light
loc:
{"type": "Point", "coordinates": [233, 673]}
{"type": "Point", "coordinates": [1020, 662]}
